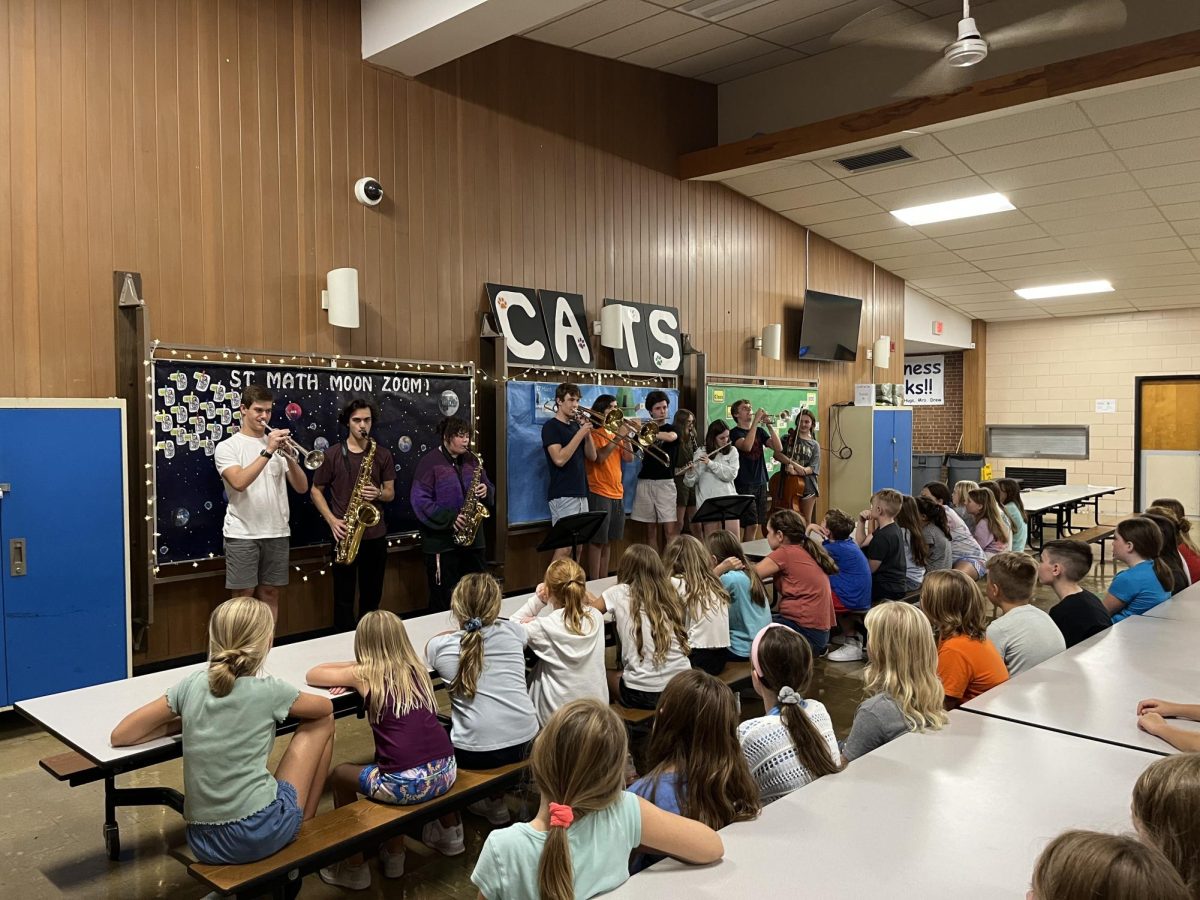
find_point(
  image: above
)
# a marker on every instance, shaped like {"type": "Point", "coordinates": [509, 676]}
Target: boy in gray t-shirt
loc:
{"type": "Point", "coordinates": [1024, 634]}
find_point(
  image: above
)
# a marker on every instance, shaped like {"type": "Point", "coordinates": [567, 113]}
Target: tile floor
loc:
{"type": "Point", "coordinates": [50, 834]}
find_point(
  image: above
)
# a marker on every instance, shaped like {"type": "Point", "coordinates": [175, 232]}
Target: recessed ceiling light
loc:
{"type": "Point", "coordinates": [962, 208]}
{"type": "Point", "coordinates": [1065, 290]}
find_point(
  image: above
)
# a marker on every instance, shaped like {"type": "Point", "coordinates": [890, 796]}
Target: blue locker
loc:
{"type": "Point", "coordinates": [880, 440]}
{"type": "Point", "coordinates": [902, 464]}
{"type": "Point", "coordinates": [66, 618]}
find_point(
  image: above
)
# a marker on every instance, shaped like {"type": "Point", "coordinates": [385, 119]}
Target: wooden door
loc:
{"type": "Point", "coordinates": [1169, 441]}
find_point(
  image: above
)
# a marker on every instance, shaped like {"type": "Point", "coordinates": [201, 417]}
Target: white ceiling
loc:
{"type": "Point", "coordinates": [659, 35]}
{"type": "Point", "coordinates": [1106, 185]}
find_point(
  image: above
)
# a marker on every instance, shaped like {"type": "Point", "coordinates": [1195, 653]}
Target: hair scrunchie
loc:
{"type": "Point", "coordinates": [472, 624]}
{"type": "Point", "coordinates": [561, 815]}
{"type": "Point", "coordinates": [788, 697]}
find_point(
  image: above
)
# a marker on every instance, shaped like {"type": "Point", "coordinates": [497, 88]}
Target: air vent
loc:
{"type": "Point", "coordinates": [876, 158]}
{"type": "Point", "coordinates": [716, 10]}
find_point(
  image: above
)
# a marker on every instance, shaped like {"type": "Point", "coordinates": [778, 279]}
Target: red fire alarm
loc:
{"type": "Point", "coordinates": [937, 327]}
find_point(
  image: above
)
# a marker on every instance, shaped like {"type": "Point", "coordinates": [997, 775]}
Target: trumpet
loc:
{"type": "Point", "coordinates": [310, 459]}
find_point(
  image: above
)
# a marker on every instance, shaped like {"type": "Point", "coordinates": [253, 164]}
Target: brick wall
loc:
{"type": "Point", "coordinates": [936, 429]}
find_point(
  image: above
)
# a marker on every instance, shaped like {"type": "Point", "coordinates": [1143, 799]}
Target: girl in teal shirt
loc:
{"type": "Point", "coordinates": [749, 610]}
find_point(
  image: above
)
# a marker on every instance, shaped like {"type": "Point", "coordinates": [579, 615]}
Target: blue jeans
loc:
{"type": "Point", "coordinates": [818, 639]}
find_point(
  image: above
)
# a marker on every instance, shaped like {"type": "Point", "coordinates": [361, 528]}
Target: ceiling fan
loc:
{"type": "Point", "coordinates": [972, 46]}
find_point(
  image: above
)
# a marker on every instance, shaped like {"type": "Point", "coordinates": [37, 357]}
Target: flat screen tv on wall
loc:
{"type": "Point", "coordinates": [829, 327]}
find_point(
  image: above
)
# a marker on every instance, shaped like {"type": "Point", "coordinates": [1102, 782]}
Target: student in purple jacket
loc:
{"type": "Point", "coordinates": [439, 492]}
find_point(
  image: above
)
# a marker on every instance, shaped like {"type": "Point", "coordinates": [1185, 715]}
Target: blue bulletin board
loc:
{"type": "Point", "coordinates": [527, 473]}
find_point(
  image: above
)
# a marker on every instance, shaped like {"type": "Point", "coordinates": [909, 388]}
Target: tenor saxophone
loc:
{"type": "Point", "coordinates": [474, 511]}
{"type": "Point", "coordinates": [360, 514]}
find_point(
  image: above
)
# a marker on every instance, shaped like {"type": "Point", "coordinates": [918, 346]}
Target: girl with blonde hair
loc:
{"type": "Point", "coordinates": [492, 719]}
{"type": "Point", "coordinates": [651, 625]}
{"type": "Point", "coordinates": [414, 760]}
{"type": "Point", "coordinates": [705, 601]}
{"type": "Point", "coordinates": [1166, 800]}
{"type": "Point", "coordinates": [902, 687]}
{"type": "Point", "coordinates": [236, 811]}
{"type": "Point", "coordinates": [587, 824]}
{"type": "Point", "coordinates": [992, 529]}
{"type": "Point", "coordinates": [568, 641]}
{"type": "Point", "coordinates": [1088, 865]}
{"type": "Point", "coordinates": [958, 501]}
{"type": "Point", "coordinates": [968, 663]}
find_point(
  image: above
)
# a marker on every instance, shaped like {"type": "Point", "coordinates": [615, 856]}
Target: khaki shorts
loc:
{"type": "Point", "coordinates": [654, 501]}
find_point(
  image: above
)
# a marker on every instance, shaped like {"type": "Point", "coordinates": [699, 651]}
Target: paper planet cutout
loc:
{"type": "Point", "coordinates": [293, 411]}
{"type": "Point", "coordinates": [405, 443]}
{"type": "Point", "coordinates": [448, 403]}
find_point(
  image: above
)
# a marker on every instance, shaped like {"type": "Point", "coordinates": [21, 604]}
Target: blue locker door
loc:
{"type": "Point", "coordinates": [883, 454]}
{"type": "Point", "coordinates": [902, 431]}
{"type": "Point", "coordinates": [65, 620]}
{"type": "Point", "coordinates": [4, 699]}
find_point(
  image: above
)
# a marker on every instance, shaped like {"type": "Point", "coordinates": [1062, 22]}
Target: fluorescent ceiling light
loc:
{"type": "Point", "coordinates": [1065, 290]}
{"type": "Point", "coordinates": [962, 208]}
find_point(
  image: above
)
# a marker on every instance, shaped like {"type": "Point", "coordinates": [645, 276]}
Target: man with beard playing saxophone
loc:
{"type": "Point", "coordinates": [443, 478]}
{"type": "Point", "coordinates": [333, 488]}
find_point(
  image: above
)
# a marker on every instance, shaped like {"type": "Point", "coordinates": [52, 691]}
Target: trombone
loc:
{"type": "Point", "coordinates": [640, 440]}
{"type": "Point", "coordinates": [310, 459]}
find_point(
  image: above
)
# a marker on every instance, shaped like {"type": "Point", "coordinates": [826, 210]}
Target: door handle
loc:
{"type": "Point", "coordinates": [16, 557]}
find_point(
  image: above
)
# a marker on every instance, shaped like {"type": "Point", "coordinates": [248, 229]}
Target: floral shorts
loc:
{"type": "Point", "coordinates": [415, 785]}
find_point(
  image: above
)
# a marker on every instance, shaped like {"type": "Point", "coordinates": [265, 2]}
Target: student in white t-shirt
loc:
{"type": "Point", "coordinates": [651, 625]}
{"type": "Point", "coordinates": [1024, 634]}
{"type": "Point", "coordinates": [705, 601]}
{"type": "Point", "coordinates": [492, 720]}
{"type": "Point", "coordinates": [568, 641]}
{"type": "Point", "coordinates": [254, 464]}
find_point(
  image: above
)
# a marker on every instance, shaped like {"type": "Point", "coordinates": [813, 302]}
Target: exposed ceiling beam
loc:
{"type": "Point", "coordinates": [1157, 57]}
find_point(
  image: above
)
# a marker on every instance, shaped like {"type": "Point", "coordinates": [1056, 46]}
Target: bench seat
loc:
{"type": "Point", "coordinates": [73, 768]}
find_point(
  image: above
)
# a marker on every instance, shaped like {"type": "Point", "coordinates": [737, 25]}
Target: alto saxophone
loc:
{"type": "Point", "coordinates": [474, 511]}
{"type": "Point", "coordinates": [360, 514]}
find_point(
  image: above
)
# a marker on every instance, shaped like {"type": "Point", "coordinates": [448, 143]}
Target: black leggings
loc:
{"type": "Point", "coordinates": [709, 659]}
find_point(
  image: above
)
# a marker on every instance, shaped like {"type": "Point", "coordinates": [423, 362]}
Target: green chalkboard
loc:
{"type": "Point", "coordinates": [775, 399]}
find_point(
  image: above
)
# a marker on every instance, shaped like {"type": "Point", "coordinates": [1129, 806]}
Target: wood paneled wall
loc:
{"type": "Point", "coordinates": [213, 146]}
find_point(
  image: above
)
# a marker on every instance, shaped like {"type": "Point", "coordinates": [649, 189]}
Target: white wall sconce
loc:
{"type": "Point", "coordinates": [340, 297]}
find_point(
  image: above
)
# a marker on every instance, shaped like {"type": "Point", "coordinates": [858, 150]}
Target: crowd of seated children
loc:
{"type": "Point", "coordinates": [936, 528]}
{"type": "Point", "coordinates": [1010, 501]}
{"type": "Point", "coordinates": [1137, 542]}
{"type": "Point", "coordinates": [749, 608]}
{"type": "Point", "coordinates": [1188, 548]}
{"type": "Point", "coordinates": [793, 743]}
{"type": "Point", "coordinates": [705, 602]}
{"type": "Point", "coordinates": [992, 531]}
{"type": "Point", "coordinates": [968, 663]}
{"type": "Point", "coordinates": [903, 693]}
{"type": "Point", "coordinates": [958, 500]}
{"type": "Point", "coordinates": [968, 555]}
{"type": "Point", "coordinates": [579, 843]}
{"type": "Point", "coordinates": [882, 542]}
{"type": "Point", "coordinates": [1170, 551]}
{"type": "Point", "coordinates": [414, 760]}
{"type": "Point", "coordinates": [801, 568]}
{"type": "Point", "coordinates": [913, 543]}
{"type": "Point", "coordinates": [651, 626]}
{"type": "Point", "coordinates": [1079, 613]}
{"type": "Point", "coordinates": [850, 584]}
{"type": "Point", "coordinates": [1024, 634]}
{"type": "Point", "coordinates": [1152, 719]}
{"type": "Point", "coordinates": [694, 764]}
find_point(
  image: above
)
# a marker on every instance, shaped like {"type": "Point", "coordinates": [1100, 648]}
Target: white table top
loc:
{"type": "Point", "coordinates": [758, 549]}
{"type": "Point", "coordinates": [1093, 688]}
{"type": "Point", "coordinates": [85, 718]}
{"type": "Point", "coordinates": [1041, 499]}
{"type": "Point", "coordinates": [1183, 607]}
{"type": "Point", "coordinates": [960, 812]}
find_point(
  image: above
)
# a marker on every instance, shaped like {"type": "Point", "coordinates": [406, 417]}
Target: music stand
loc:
{"type": "Point", "coordinates": [571, 531]}
{"type": "Point", "coordinates": [718, 509]}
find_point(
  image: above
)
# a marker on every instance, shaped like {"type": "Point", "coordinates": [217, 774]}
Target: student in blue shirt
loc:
{"type": "Point", "coordinates": [1138, 544]}
{"type": "Point", "coordinates": [851, 584]}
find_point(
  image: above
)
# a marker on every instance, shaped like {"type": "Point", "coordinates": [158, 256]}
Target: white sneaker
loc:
{"type": "Point", "coordinates": [446, 841]}
{"type": "Point", "coordinates": [391, 863]}
{"type": "Point", "coordinates": [851, 651]}
{"type": "Point", "coordinates": [494, 809]}
{"type": "Point", "coordinates": [354, 878]}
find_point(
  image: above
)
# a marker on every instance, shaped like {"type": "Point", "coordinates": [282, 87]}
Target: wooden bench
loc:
{"type": "Point", "coordinates": [1097, 534]}
{"type": "Point", "coordinates": [73, 768]}
{"type": "Point", "coordinates": [334, 835]}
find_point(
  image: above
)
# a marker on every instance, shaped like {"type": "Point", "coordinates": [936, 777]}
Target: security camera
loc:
{"type": "Point", "coordinates": [368, 191]}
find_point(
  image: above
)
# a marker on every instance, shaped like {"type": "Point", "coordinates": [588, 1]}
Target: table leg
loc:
{"type": "Point", "coordinates": [141, 796]}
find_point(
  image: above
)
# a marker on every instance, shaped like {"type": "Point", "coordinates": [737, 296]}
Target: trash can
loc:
{"type": "Point", "coordinates": [963, 467]}
{"type": "Point", "coordinates": [926, 467]}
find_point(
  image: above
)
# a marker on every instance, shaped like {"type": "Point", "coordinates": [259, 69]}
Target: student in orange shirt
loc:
{"type": "Point", "coordinates": [606, 490]}
{"type": "Point", "coordinates": [968, 663]}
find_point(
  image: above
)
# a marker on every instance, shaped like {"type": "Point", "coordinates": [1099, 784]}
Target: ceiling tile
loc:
{"type": "Point", "coordinates": [975, 224]}
{"type": "Point", "coordinates": [1156, 130]}
{"type": "Point", "coordinates": [993, 237]}
{"type": "Point", "coordinates": [872, 222]}
{"type": "Point", "coordinates": [641, 34]}
{"type": "Point", "coordinates": [688, 44]}
{"type": "Point", "coordinates": [1087, 307]}
{"type": "Point", "coordinates": [1130, 235]}
{"type": "Point", "coordinates": [824, 22]}
{"type": "Point", "coordinates": [879, 22]}
{"type": "Point", "coordinates": [1009, 250]}
{"type": "Point", "coordinates": [993, 133]}
{"type": "Point", "coordinates": [778, 14]}
{"type": "Point", "coordinates": [1091, 223]}
{"type": "Point", "coordinates": [829, 212]}
{"type": "Point", "coordinates": [968, 292]}
{"type": "Point", "coordinates": [950, 280]}
{"type": "Point", "coordinates": [1031, 153]}
{"type": "Point", "coordinates": [875, 239]}
{"type": "Point", "coordinates": [738, 51]}
{"type": "Point", "coordinates": [1166, 154]}
{"type": "Point", "coordinates": [809, 195]}
{"type": "Point", "coordinates": [1051, 172]}
{"type": "Point", "coordinates": [1078, 189]}
{"type": "Point", "coordinates": [908, 175]}
{"type": "Point", "coordinates": [779, 57]}
{"type": "Point", "coordinates": [593, 21]}
{"type": "Point", "coordinates": [1166, 176]}
{"type": "Point", "coordinates": [934, 193]}
{"type": "Point", "coordinates": [1177, 212]}
{"type": "Point", "coordinates": [778, 179]}
{"type": "Point", "coordinates": [1138, 103]}
{"type": "Point", "coordinates": [919, 260]}
{"type": "Point", "coordinates": [1100, 206]}
{"type": "Point", "coordinates": [961, 268]}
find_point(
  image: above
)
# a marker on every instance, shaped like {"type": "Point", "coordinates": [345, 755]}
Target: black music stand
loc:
{"type": "Point", "coordinates": [571, 531]}
{"type": "Point", "coordinates": [718, 509]}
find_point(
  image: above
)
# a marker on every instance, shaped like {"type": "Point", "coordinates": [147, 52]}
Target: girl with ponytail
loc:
{"type": "Point", "coordinates": [1148, 580]}
{"type": "Point", "coordinates": [1172, 545]}
{"type": "Point", "coordinates": [568, 640]}
{"type": "Point", "coordinates": [578, 844]}
{"type": "Point", "coordinates": [492, 719]}
{"type": "Point", "coordinates": [801, 568]}
{"type": "Point", "coordinates": [794, 742]}
{"type": "Point", "coordinates": [236, 811]}
{"type": "Point", "coordinates": [1188, 548]}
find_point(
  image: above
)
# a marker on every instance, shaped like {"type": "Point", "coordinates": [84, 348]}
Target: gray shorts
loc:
{"type": "Point", "coordinates": [758, 513]}
{"type": "Point", "coordinates": [613, 528]}
{"type": "Point", "coordinates": [655, 500]}
{"type": "Point", "coordinates": [560, 507]}
{"type": "Point", "coordinates": [250, 562]}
